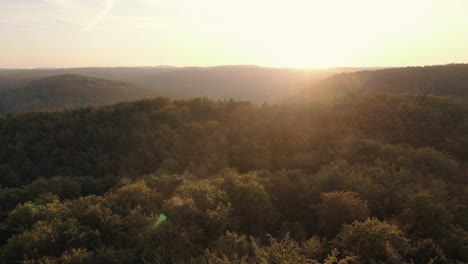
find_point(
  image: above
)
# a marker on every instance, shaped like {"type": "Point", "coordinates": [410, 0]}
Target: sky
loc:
{"type": "Point", "coordinates": [286, 33]}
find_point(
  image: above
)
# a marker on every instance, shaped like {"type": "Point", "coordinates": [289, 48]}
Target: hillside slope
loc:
{"type": "Point", "coordinates": [9, 82]}
{"type": "Point", "coordinates": [239, 82]}
{"type": "Point", "coordinates": [67, 91]}
{"type": "Point", "coordinates": [445, 80]}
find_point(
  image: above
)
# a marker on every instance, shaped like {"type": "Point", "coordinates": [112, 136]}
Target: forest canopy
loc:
{"type": "Point", "coordinates": [374, 178]}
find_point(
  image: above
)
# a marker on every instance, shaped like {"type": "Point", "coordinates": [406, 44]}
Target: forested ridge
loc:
{"type": "Point", "coordinates": [373, 178]}
{"type": "Point", "coordinates": [442, 80]}
{"type": "Point", "coordinates": [239, 82]}
{"type": "Point", "coordinates": [67, 91]}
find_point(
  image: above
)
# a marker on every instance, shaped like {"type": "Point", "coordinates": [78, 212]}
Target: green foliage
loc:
{"type": "Point", "coordinates": [230, 248]}
{"type": "Point", "coordinates": [424, 216]}
{"type": "Point", "coordinates": [292, 193]}
{"type": "Point", "coordinates": [333, 258]}
{"type": "Point", "coordinates": [372, 241]}
{"type": "Point", "coordinates": [239, 183]}
{"type": "Point", "coordinates": [206, 196]}
{"type": "Point", "coordinates": [338, 208]}
{"type": "Point", "coordinates": [133, 195]}
{"type": "Point", "coordinates": [426, 251]}
{"type": "Point", "coordinates": [64, 187]}
{"type": "Point", "coordinates": [282, 251]}
{"type": "Point", "coordinates": [252, 205]}
{"type": "Point", "coordinates": [76, 256]}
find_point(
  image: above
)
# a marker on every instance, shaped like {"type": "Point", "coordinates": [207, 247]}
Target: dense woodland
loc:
{"type": "Point", "coordinates": [374, 178]}
{"type": "Point", "coordinates": [67, 91]}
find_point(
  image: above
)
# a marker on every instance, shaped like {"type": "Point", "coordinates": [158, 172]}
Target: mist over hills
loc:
{"type": "Point", "coordinates": [51, 89]}
{"type": "Point", "coordinates": [239, 82]}
{"type": "Point", "coordinates": [67, 91]}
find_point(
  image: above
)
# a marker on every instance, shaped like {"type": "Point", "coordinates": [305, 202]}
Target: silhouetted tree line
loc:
{"type": "Point", "coordinates": [366, 179]}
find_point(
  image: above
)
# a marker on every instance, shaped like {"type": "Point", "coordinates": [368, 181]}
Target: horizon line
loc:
{"type": "Point", "coordinates": [230, 65]}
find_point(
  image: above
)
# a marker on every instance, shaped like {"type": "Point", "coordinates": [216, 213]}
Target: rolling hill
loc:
{"type": "Point", "coordinates": [8, 82]}
{"type": "Point", "coordinates": [443, 80]}
{"type": "Point", "coordinates": [239, 82]}
{"type": "Point", "coordinates": [67, 91]}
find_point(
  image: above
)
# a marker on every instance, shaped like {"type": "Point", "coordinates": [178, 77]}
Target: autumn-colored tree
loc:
{"type": "Point", "coordinates": [372, 241]}
{"type": "Point", "coordinates": [338, 208]}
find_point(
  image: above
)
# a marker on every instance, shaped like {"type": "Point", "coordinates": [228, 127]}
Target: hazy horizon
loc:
{"type": "Point", "coordinates": [230, 65]}
{"type": "Point", "coordinates": [220, 131]}
{"type": "Point", "coordinates": [292, 34]}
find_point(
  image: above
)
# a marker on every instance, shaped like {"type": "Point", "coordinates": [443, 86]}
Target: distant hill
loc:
{"type": "Point", "coordinates": [240, 82]}
{"type": "Point", "coordinates": [237, 82]}
{"type": "Point", "coordinates": [67, 91]}
{"type": "Point", "coordinates": [7, 82]}
{"type": "Point", "coordinates": [444, 80]}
